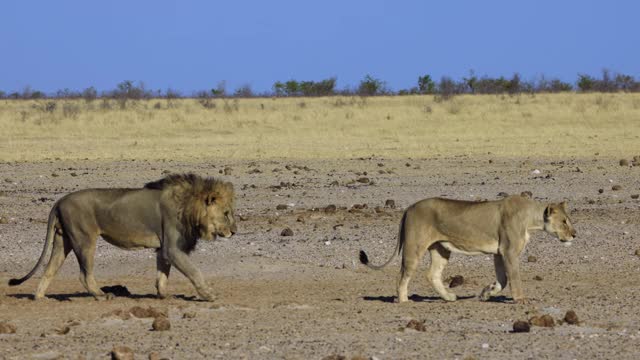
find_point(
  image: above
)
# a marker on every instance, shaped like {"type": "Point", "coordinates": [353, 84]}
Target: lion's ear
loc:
{"type": "Point", "coordinates": [209, 200]}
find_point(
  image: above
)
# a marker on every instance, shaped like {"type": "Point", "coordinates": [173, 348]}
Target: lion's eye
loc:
{"type": "Point", "coordinates": [226, 213]}
{"type": "Point", "coordinates": [564, 221]}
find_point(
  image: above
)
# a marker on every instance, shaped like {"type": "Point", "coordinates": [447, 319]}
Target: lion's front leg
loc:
{"type": "Point", "coordinates": [164, 267]}
{"type": "Point", "coordinates": [500, 284]}
{"type": "Point", "coordinates": [512, 266]}
{"type": "Point", "coordinates": [181, 261]}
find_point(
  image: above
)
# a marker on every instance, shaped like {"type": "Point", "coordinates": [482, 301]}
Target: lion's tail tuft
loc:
{"type": "Point", "coordinates": [14, 282]}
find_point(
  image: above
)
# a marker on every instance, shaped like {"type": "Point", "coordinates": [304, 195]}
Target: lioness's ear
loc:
{"type": "Point", "coordinates": [547, 212]}
{"type": "Point", "coordinates": [564, 205]}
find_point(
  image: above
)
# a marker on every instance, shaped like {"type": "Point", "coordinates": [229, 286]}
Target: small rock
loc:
{"type": "Point", "coordinates": [227, 170]}
{"type": "Point", "coordinates": [416, 325]}
{"type": "Point", "coordinates": [624, 162]}
{"type": "Point", "coordinates": [63, 330]}
{"type": "Point", "coordinates": [4, 220]}
{"type": "Point", "coordinates": [571, 318]}
{"type": "Point", "coordinates": [527, 194]}
{"type": "Point", "coordinates": [73, 174]}
{"type": "Point", "coordinates": [637, 253]}
{"type": "Point", "coordinates": [286, 232]}
{"type": "Point", "coordinates": [154, 356]}
{"type": "Point", "coordinates": [149, 312]}
{"type": "Point", "coordinates": [537, 278]}
{"type": "Point", "coordinates": [457, 280]}
{"type": "Point", "coordinates": [7, 328]}
{"type": "Point", "coordinates": [281, 207]}
{"type": "Point", "coordinates": [502, 194]}
{"type": "Point", "coordinates": [616, 187]}
{"type": "Point", "coordinates": [363, 180]}
{"type": "Point", "coordinates": [121, 353]}
{"type": "Point", "coordinates": [521, 327]}
{"type": "Point", "coordinates": [600, 191]}
{"type": "Point", "coordinates": [390, 203]}
{"type": "Point", "coordinates": [542, 321]}
{"type": "Point", "coordinates": [532, 259]}
{"type": "Point", "coordinates": [255, 171]}
{"type": "Point", "coordinates": [378, 209]}
{"type": "Point", "coordinates": [535, 172]}
{"type": "Point", "coordinates": [189, 315]}
{"type": "Point", "coordinates": [635, 196]}
{"type": "Point", "coordinates": [54, 175]}
{"type": "Point", "coordinates": [161, 323]}
{"type": "Point", "coordinates": [330, 209]}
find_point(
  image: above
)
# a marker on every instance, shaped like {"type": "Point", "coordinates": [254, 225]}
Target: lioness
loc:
{"type": "Point", "coordinates": [497, 227]}
{"type": "Point", "coordinates": [170, 215]}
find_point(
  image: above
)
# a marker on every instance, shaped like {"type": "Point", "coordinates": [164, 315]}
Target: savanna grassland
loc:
{"type": "Point", "coordinates": [317, 180]}
{"type": "Point", "coordinates": [327, 127]}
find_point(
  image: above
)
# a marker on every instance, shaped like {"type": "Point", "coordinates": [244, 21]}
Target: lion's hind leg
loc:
{"type": "Point", "coordinates": [61, 249]}
{"type": "Point", "coordinates": [84, 246]}
{"type": "Point", "coordinates": [439, 259]}
{"type": "Point", "coordinates": [500, 284]}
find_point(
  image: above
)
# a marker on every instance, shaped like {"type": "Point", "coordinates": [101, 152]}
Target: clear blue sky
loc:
{"type": "Point", "coordinates": [192, 45]}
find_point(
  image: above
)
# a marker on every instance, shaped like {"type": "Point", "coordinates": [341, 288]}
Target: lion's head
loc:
{"type": "Point", "coordinates": [556, 221]}
{"type": "Point", "coordinates": [205, 206]}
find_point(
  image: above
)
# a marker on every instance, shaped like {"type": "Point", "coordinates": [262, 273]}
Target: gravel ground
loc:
{"type": "Point", "coordinates": [305, 296]}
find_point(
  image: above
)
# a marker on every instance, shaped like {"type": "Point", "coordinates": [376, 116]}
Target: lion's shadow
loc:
{"type": "Point", "coordinates": [117, 291]}
{"type": "Point", "coordinates": [414, 298]}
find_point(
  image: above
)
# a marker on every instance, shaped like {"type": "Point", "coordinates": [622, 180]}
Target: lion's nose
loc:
{"type": "Point", "coordinates": [573, 232]}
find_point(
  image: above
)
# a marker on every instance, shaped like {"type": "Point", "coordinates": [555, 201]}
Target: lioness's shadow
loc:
{"type": "Point", "coordinates": [116, 291]}
{"type": "Point", "coordinates": [414, 297]}
{"type": "Point", "coordinates": [500, 299]}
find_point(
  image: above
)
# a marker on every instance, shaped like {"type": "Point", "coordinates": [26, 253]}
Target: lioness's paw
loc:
{"type": "Point", "coordinates": [208, 297]}
{"type": "Point", "coordinates": [450, 297]}
{"type": "Point", "coordinates": [522, 301]}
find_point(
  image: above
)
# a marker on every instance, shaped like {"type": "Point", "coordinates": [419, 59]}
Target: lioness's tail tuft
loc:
{"type": "Point", "coordinates": [364, 259]}
{"type": "Point", "coordinates": [14, 282]}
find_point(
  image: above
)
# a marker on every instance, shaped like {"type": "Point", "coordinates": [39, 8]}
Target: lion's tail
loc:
{"type": "Point", "coordinates": [364, 259]}
{"type": "Point", "coordinates": [53, 218]}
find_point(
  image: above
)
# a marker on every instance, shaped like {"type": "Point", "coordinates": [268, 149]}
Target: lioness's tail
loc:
{"type": "Point", "coordinates": [364, 259]}
{"type": "Point", "coordinates": [53, 218]}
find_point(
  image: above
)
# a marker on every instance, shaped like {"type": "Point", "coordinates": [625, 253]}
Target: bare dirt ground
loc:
{"type": "Point", "coordinates": [305, 296]}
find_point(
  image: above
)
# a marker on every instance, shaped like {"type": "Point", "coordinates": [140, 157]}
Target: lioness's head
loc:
{"type": "Point", "coordinates": [556, 222]}
{"type": "Point", "coordinates": [218, 217]}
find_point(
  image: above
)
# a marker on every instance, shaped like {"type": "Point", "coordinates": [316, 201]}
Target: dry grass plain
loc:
{"type": "Point", "coordinates": [304, 296]}
{"type": "Point", "coordinates": [321, 128]}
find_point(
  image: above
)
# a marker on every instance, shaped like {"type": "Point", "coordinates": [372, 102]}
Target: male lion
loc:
{"type": "Point", "coordinates": [497, 227]}
{"type": "Point", "coordinates": [170, 215]}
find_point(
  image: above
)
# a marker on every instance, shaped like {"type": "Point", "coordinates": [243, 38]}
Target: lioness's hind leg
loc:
{"type": "Point", "coordinates": [59, 253]}
{"type": "Point", "coordinates": [500, 284]}
{"type": "Point", "coordinates": [164, 267]}
{"type": "Point", "coordinates": [439, 259]}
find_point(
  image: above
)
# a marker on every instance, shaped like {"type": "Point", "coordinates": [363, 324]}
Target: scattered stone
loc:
{"type": "Point", "coordinates": [390, 203]}
{"type": "Point", "coordinates": [74, 174]}
{"type": "Point", "coordinates": [416, 325]}
{"type": "Point", "coordinates": [54, 174]}
{"type": "Point", "coordinates": [9, 181]}
{"type": "Point", "coordinates": [600, 191]}
{"type": "Point", "coordinates": [149, 312]}
{"type": "Point", "coordinates": [63, 330]}
{"type": "Point", "coordinates": [571, 318]}
{"type": "Point", "coordinates": [635, 196]}
{"type": "Point", "coordinates": [117, 290]}
{"type": "Point", "coordinates": [616, 187]}
{"type": "Point", "coordinates": [154, 356]}
{"type": "Point", "coordinates": [456, 280]}
{"type": "Point", "coordinates": [281, 207]}
{"type": "Point", "coordinates": [4, 220]}
{"type": "Point", "coordinates": [334, 183]}
{"type": "Point", "coordinates": [535, 172]}
{"type": "Point", "coordinates": [189, 315]}
{"type": "Point", "coordinates": [537, 278]}
{"type": "Point", "coordinates": [119, 313]}
{"type": "Point", "coordinates": [161, 323]}
{"type": "Point", "coordinates": [363, 180]}
{"type": "Point", "coordinates": [521, 327]}
{"type": "Point", "coordinates": [121, 353]}
{"type": "Point", "coordinates": [335, 357]}
{"type": "Point", "coordinates": [227, 170]}
{"type": "Point", "coordinates": [330, 209]}
{"type": "Point", "coordinates": [532, 259]}
{"type": "Point", "coordinates": [7, 328]}
{"type": "Point", "coordinates": [286, 232]}
{"type": "Point", "coordinates": [543, 321]}
{"type": "Point", "coordinates": [255, 171]}
{"type": "Point", "coordinates": [637, 253]}
{"type": "Point", "coordinates": [624, 162]}
{"type": "Point", "coordinates": [527, 194]}
{"type": "Point", "coordinates": [502, 194]}
{"type": "Point", "coordinates": [378, 209]}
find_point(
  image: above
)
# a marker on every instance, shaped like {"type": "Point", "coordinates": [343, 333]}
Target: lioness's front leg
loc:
{"type": "Point", "coordinates": [501, 280]}
{"type": "Point", "coordinates": [512, 266]}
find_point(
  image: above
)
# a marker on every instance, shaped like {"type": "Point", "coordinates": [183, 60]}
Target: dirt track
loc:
{"type": "Point", "coordinates": [305, 296]}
